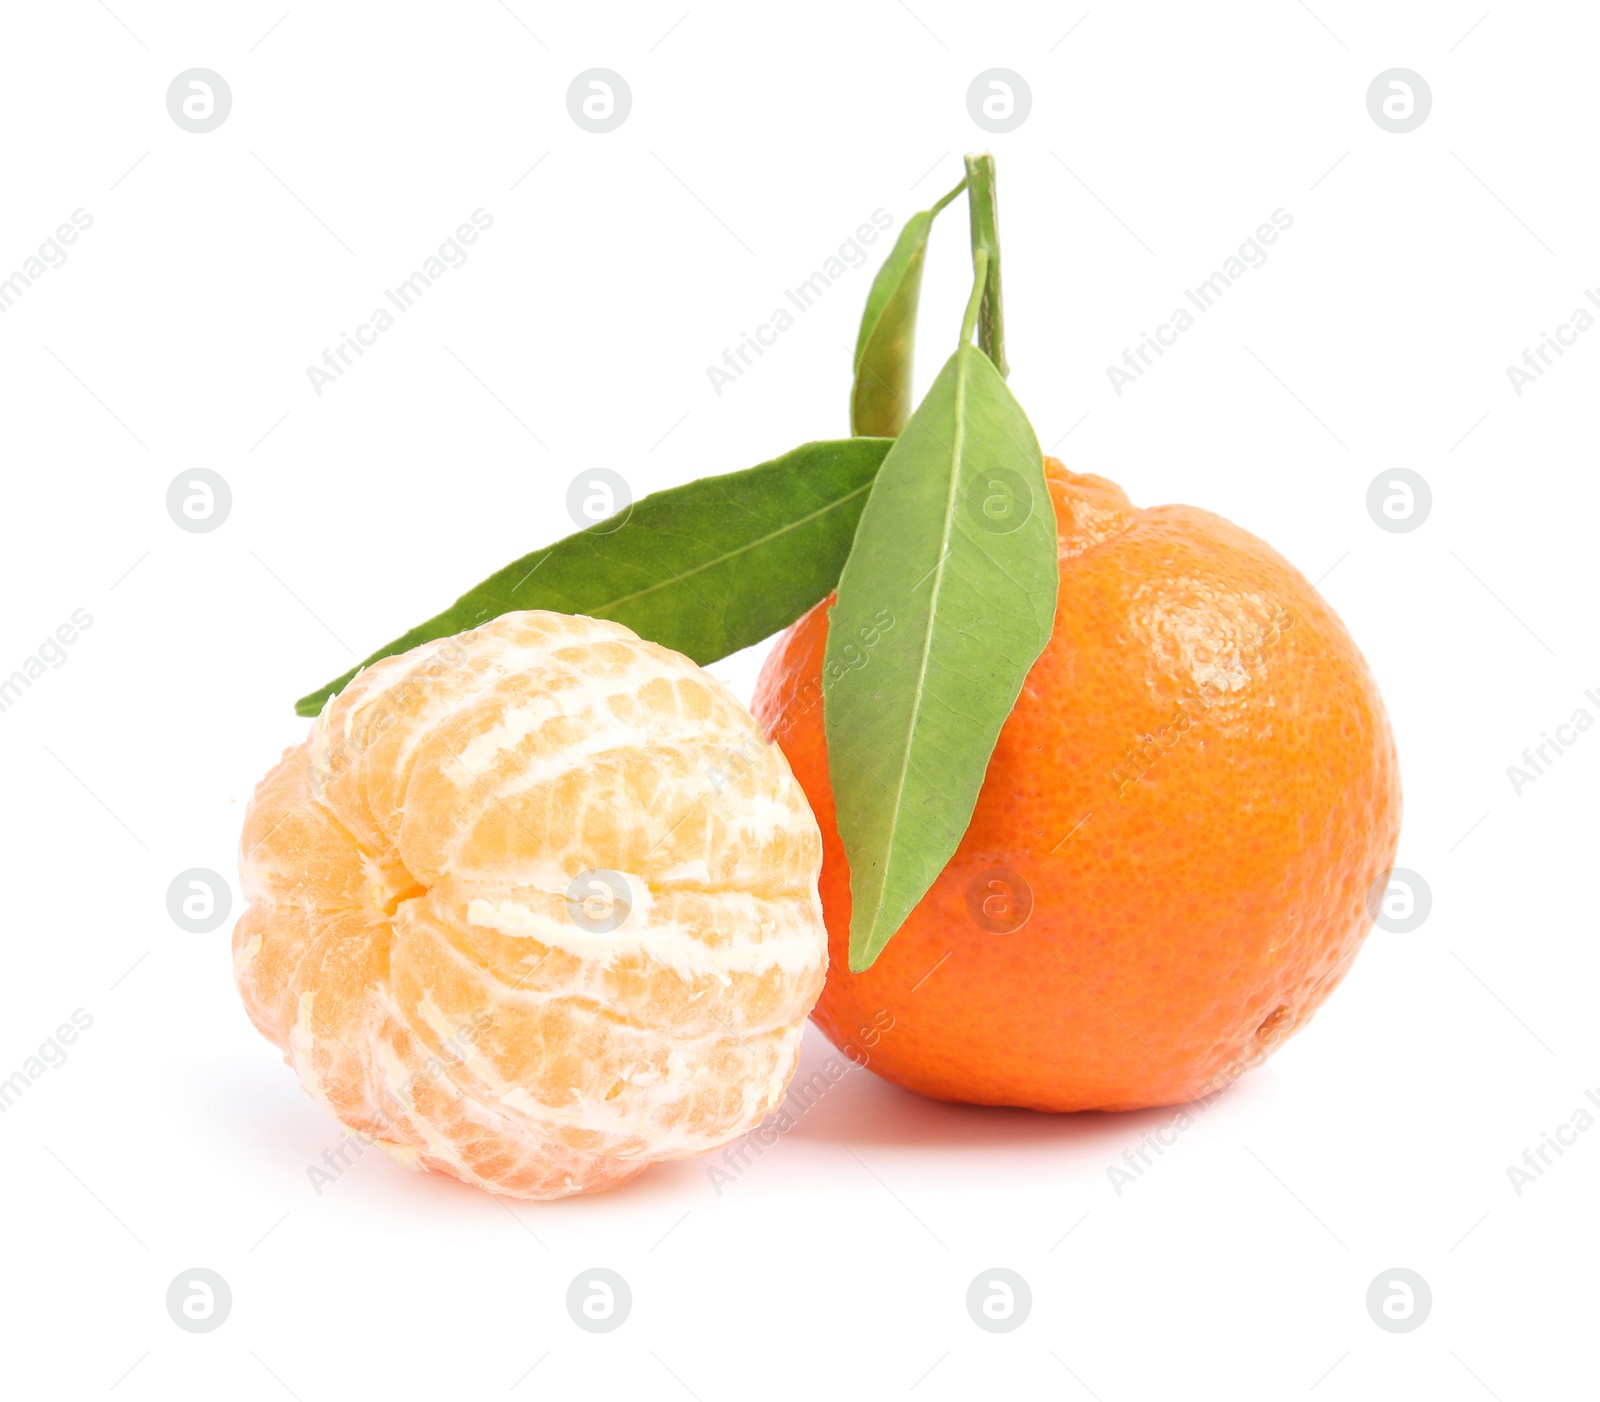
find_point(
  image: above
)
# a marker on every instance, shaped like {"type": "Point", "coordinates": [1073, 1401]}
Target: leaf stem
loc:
{"type": "Point", "coordinates": [942, 202]}
{"type": "Point", "coordinates": [980, 287]}
{"type": "Point", "coordinates": [986, 238]}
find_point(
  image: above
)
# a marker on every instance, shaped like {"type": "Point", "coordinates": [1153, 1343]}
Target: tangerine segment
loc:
{"type": "Point", "coordinates": [536, 906]}
{"type": "Point", "coordinates": [1167, 869]}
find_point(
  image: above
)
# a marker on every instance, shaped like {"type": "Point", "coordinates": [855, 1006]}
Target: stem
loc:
{"type": "Point", "coordinates": [980, 288]}
{"type": "Point", "coordinates": [941, 203]}
{"type": "Point", "coordinates": [986, 239]}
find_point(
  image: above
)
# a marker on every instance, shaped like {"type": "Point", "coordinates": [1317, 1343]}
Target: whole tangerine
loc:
{"type": "Point", "coordinates": [534, 905]}
{"type": "Point", "coordinates": [1168, 867]}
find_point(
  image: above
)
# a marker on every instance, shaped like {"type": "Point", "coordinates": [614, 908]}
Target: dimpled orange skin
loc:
{"type": "Point", "coordinates": [1198, 784]}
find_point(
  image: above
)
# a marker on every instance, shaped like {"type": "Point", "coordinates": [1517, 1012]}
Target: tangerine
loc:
{"type": "Point", "coordinates": [1168, 867]}
{"type": "Point", "coordinates": [536, 906]}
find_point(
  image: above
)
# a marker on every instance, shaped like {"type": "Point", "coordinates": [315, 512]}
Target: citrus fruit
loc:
{"type": "Point", "coordinates": [534, 905]}
{"type": "Point", "coordinates": [1168, 866]}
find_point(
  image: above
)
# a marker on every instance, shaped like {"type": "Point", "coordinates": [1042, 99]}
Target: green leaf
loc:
{"type": "Point", "coordinates": [706, 569]}
{"type": "Point", "coordinates": [880, 399]}
{"type": "Point", "coordinates": [958, 544]}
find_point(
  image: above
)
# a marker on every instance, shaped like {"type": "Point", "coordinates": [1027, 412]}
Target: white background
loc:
{"type": "Point", "coordinates": [577, 335]}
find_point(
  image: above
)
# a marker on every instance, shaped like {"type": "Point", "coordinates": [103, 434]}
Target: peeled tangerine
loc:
{"type": "Point", "coordinates": [535, 905]}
